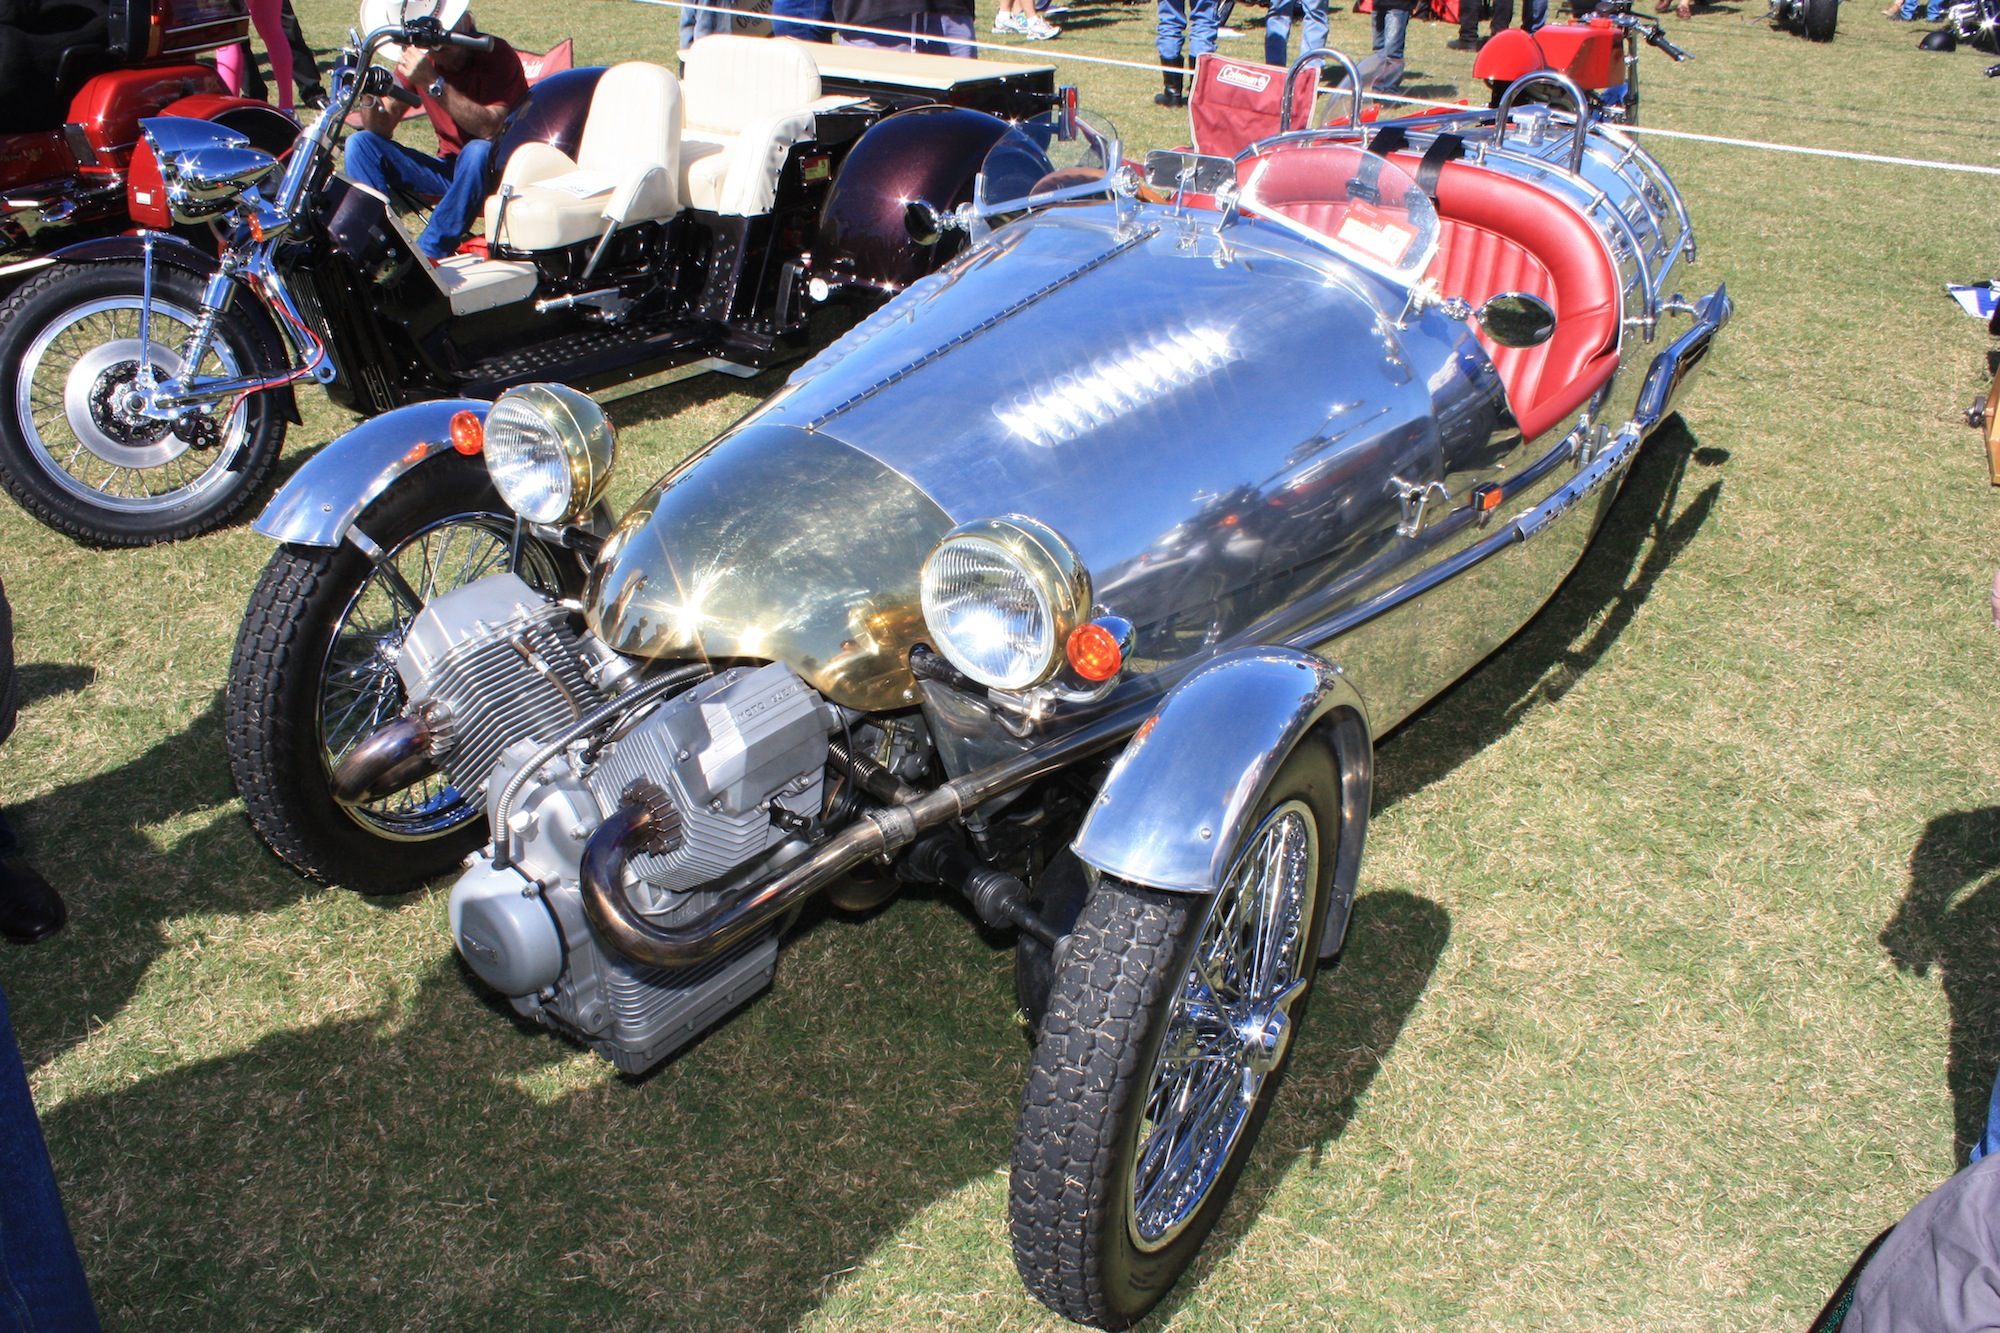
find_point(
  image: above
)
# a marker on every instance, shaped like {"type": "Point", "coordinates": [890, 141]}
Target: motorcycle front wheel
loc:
{"type": "Point", "coordinates": [75, 456]}
{"type": "Point", "coordinates": [1169, 1026]}
{"type": "Point", "coordinates": [314, 673]}
{"type": "Point", "coordinates": [1819, 18]}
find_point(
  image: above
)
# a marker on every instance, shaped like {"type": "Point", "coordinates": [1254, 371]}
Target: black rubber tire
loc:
{"type": "Point", "coordinates": [1057, 896]}
{"type": "Point", "coordinates": [271, 707]}
{"type": "Point", "coordinates": [1818, 19]}
{"type": "Point", "coordinates": [1070, 1205]}
{"type": "Point", "coordinates": [43, 299]}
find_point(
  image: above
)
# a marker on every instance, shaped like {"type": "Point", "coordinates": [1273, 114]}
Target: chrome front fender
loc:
{"type": "Point", "coordinates": [325, 496]}
{"type": "Point", "coordinates": [1177, 804]}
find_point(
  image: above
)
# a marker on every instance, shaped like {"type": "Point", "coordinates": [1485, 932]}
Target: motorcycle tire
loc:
{"type": "Point", "coordinates": [1104, 1216]}
{"type": "Point", "coordinates": [1819, 18]}
{"type": "Point", "coordinates": [91, 471]}
{"type": "Point", "coordinates": [313, 673]}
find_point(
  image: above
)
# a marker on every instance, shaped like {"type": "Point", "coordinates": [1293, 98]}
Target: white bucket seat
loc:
{"type": "Point", "coordinates": [748, 100]}
{"type": "Point", "coordinates": [627, 167]}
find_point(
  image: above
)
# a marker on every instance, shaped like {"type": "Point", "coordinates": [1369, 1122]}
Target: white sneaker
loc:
{"type": "Point", "coordinates": [1036, 29]}
{"type": "Point", "coordinates": [1007, 21]}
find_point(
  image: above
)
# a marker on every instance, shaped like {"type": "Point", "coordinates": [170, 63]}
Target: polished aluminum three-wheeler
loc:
{"type": "Point", "coordinates": [1081, 577]}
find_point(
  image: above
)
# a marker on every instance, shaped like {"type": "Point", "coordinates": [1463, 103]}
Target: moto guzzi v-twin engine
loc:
{"type": "Point", "coordinates": [501, 681]}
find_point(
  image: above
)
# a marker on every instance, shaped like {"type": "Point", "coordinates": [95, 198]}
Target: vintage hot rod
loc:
{"type": "Point", "coordinates": [1081, 577]}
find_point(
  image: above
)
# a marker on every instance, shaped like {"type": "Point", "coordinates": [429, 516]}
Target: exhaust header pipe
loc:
{"type": "Point", "coordinates": [875, 833]}
{"type": "Point", "coordinates": [388, 760]}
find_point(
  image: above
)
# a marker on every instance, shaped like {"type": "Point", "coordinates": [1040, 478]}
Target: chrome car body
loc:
{"type": "Point", "coordinates": [1217, 490]}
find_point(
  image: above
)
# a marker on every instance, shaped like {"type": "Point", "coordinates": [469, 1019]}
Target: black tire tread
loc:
{"type": "Point", "coordinates": [253, 722]}
{"type": "Point", "coordinates": [24, 484]}
{"type": "Point", "coordinates": [1121, 962]}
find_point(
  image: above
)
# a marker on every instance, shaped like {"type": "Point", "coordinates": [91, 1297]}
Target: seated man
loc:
{"type": "Point", "coordinates": [468, 95]}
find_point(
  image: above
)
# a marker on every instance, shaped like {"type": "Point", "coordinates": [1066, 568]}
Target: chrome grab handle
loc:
{"type": "Point", "coordinates": [1319, 56]}
{"type": "Point", "coordinates": [1577, 100]}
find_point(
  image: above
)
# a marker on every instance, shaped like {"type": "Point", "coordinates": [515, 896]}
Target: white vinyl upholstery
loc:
{"type": "Point", "coordinates": [626, 170]}
{"type": "Point", "coordinates": [748, 100]}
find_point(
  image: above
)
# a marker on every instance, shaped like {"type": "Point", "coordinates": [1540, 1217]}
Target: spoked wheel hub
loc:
{"type": "Point", "coordinates": [102, 403]}
{"type": "Point", "coordinates": [1228, 1026]}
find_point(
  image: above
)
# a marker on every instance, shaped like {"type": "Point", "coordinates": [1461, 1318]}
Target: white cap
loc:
{"type": "Point", "coordinates": [382, 13]}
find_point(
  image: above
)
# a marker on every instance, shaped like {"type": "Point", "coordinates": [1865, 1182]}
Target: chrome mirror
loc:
{"type": "Point", "coordinates": [1517, 319]}
{"type": "Point", "coordinates": [922, 222]}
{"type": "Point", "coordinates": [1175, 173]}
{"type": "Point", "coordinates": [1066, 118]}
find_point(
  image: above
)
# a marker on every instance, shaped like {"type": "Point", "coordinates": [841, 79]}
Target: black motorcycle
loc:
{"type": "Point", "coordinates": [645, 227]}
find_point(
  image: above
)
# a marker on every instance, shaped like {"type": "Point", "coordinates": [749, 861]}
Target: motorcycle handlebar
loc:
{"type": "Point", "coordinates": [481, 43]}
{"type": "Point", "coordinates": [1658, 38]}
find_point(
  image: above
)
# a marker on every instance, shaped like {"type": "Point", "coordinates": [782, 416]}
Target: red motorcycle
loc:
{"type": "Point", "coordinates": [70, 176]}
{"type": "Point", "coordinates": [1580, 59]}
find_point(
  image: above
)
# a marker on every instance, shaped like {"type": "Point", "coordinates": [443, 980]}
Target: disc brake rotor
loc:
{"type": "Point", "coordinates": [93, 400]}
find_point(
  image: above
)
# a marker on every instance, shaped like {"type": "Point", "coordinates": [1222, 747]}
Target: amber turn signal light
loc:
{"type": "Point", "coordinates": [1093, 652]}
{"type": "Point", "coordinates": [468, 433]}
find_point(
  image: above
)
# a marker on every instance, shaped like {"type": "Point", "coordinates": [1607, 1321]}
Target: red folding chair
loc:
{"type": "Point", "coordinates": [1237, 102]}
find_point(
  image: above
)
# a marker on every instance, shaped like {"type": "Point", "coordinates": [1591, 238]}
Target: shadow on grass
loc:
{"type": "Point", "coordinates": [422, 1165]}
{"type": "Point", "coordinates": [1950, 919]}
{"type": "Point", "coordinates": [1646, 530]}
{"type": "Point", "coordinates": [95, 840]}
{"type": "Point", "coordinates": [46, 680]}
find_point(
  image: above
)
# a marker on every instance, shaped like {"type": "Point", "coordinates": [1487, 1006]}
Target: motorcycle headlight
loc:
{"type": "Point", "coordinates": [549, 450]}
{"type": "Point", "coordinates": [1001, 596]}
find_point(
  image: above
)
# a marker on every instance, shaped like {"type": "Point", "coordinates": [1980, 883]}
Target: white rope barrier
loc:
{"type": "Point", "coordinates": [1759, 145]}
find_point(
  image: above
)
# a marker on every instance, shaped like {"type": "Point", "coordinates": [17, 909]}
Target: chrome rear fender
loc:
{"type": "Point", "coordinates": [1178, 801]}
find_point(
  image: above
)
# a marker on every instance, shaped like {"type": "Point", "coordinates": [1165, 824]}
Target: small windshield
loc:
{"type": "Point", "coordinates": [1364, 207]}
{"type": "Point", "coordinates": [1050, 156]}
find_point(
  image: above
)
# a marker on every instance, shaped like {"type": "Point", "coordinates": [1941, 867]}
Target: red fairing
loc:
{"type": "Point", "coordinates": [110, 106]}
{"type": "Point", "coordinates": [29, 159]}
{"type": "Point", "coordinates": [1587, 52]}
{"type": "Point", "coordinates": [145, 192]}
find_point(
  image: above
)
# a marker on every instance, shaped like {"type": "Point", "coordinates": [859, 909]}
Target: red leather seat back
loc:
{"type": "Point", "coordinates": [1236, 102]}
{"type": "Point", "coordinates": [1497, 234]}
{"type": "Point", "coordinates": [1501, 234]}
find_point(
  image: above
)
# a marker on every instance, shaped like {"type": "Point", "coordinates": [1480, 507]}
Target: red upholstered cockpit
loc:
{"type": "Point", "coordinates": [1497, 234]}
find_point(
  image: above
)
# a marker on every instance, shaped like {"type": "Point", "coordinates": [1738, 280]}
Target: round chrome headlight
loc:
{"type": "Point", "coordinates": [549, 450]}
{"type": "Point", "coordinates": [1000, 596]}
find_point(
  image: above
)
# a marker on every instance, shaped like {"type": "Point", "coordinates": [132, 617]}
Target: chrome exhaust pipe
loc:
{"type": "Point", "coordinates": [639, 820]}
{"type": "Point", "coordinates": [386, 761]}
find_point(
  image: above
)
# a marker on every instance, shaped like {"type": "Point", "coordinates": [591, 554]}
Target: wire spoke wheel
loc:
{"type": "Point", "coordinates": [1168, 1028]}
{"type": "Point", "coordinates": [71, 406]}
{"type": "Point", "coordinates": [314, 673]}
{"type": "Point", "coordinates": [360, 691]}
{"type": "Point", "coordinates": [1228, 1026]}
{"type": "Point", "coordinates": [80, 447]}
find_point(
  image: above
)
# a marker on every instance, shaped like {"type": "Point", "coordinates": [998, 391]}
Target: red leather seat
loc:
{"type": "Point", "coordinates": [1497, 234]}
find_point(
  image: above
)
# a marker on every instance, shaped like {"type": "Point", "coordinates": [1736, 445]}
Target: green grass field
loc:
{"type": "Point", "coordinates": [1675, 974]}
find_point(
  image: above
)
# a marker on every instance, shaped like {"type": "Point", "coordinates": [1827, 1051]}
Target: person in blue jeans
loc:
{"type": "Point", "coordinates": [1391, 25]}
{"type": "Point", "coordinates": [42, 1287]}
{"type": "Point", "coordinates": [1907, 11]}
{"type": "Point", "coordinates": [1278, 28]}
{"type": "Point", "coordinates": [1186, 31]}
{"type": "Point", "coordinates": [468, 96]}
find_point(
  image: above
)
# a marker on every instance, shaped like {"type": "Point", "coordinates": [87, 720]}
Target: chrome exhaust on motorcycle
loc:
{"type": "Point", "coordinates": [388, 760]}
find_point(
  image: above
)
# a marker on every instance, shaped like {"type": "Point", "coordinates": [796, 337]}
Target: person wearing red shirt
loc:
{"type": "Point", "coordinates": [468, 95]}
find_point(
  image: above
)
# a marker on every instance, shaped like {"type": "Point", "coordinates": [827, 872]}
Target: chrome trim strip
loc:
{"type": "Point", "coordinates": [1139, 237]}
